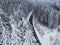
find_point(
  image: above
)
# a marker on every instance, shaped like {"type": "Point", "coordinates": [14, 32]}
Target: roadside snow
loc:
{"type": "Point", "coordinates": [48, 37]}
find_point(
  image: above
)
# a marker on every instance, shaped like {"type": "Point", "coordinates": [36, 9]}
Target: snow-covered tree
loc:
{"type": "Point", "coordinates": [22, 31]}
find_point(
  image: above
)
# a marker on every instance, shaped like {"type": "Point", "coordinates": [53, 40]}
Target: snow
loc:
{"type": "Point", "coordinates": [44, 39]}
{"type": "Point", "coordinates": [15, 27]}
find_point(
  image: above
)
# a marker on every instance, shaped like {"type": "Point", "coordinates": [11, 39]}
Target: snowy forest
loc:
{"type": "Point", "coordinates": [29, 22]}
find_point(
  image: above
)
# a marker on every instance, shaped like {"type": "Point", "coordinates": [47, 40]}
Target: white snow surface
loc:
{"type": "Point", "coordinates": [45, 35]}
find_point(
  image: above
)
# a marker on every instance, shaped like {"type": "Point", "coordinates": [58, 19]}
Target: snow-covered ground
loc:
{"type": "Point", "coordinates": [45, 35]}
{"type": "Point", "coordinates": [15, 27]}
